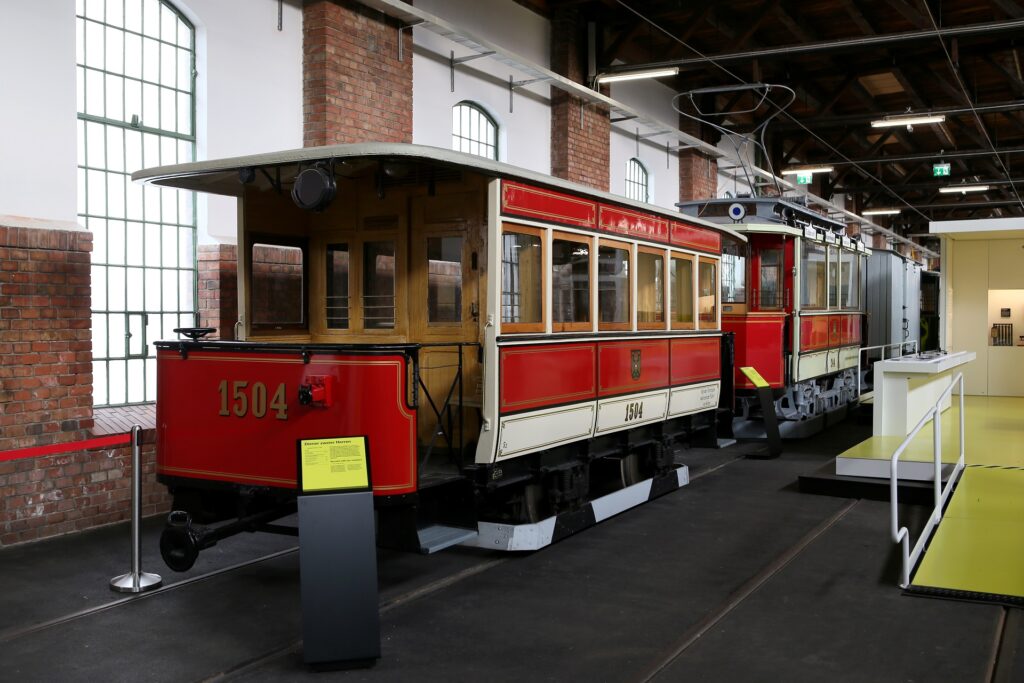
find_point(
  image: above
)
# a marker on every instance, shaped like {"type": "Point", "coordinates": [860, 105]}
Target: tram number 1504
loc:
{"type": "Point", "coordinates": [634, 411]}
{"type": "Point", "coordinates": [244, 400]}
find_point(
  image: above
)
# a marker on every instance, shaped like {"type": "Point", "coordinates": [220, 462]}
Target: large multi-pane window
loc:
{"type": "Point", "coordinates": [474, 131]}
{"type": "Point", "coordinates": [637, 181]}
{"type": "Point", "coordinates": [136, 103]}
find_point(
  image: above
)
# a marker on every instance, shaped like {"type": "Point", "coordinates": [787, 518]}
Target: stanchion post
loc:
{"type": "Point", "coordinates": [136, 581]}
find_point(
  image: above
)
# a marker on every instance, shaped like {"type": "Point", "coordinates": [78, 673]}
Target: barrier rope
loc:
{"type": "Point", "coordinates": [87, 444]}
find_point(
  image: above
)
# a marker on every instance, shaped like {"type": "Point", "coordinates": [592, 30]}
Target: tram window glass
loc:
{"type": "Point", "coordinates": [570, 283]}
{"type": "Point", "coordinates": [833, 277]}
{"type": "Point", "coordinates": [770, 276]}
{"type": "Point", "coordinates": [337, 286]}
{"type": "Point", "coordinates": [277, 286]}
{"type": "Point", "coordinates": [812, 275]}
{"type": "Point", "coordinates": [850, 279]}
{"type": "Point", "coordinates": [734, 271]}
{"type": "Point", "coordinates": [707, 290]}
{"type": "Point", "coordinates": [650, 285]}
{"type": "Point", "coordinates": [444, 279]}
{"type": "Point", "coordinates": [681, 286]}
{"type": "Point", "coordinates": [613, 286]}
{"type": "Point", "coordinates": [379, 285]}
{"type": "Point", "coordinates": [522, 259]}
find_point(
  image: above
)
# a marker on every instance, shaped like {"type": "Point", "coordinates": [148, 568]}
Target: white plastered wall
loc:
{"type": "Point", "coordinates": [655, 100]}
{"type": "Point", "coordinates": [525, 132]}
{"type": "Point", "coordinates": [249, 100]}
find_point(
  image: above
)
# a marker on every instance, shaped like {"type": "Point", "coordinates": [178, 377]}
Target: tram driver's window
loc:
{"type": "Point", "coordinates": [522, 260]}
{"type": "Point", "coordinates": [444, 279]}
{"type": "Point", "coordinates": [833, 277]}
{"type": "Point", "coordinates": [681, 287]}
{"type": "Point", "coordinates": [379, 285]}
{"type": "Point", "coordinates": [613, 286]}
{"type": "Point", "coordinates": [770, 276]}
{"type": "Point", "coordinates": [650, 286]}
{"type": "Point", "coordinates": [337, 286]}
{"type": "Point", "coordinates": [734, 271]}
{"type": "Point", "coordinates": [570, 283]}
{"type": "Point", "coordinates": [707, 293]}
{"type": "Point", "coordinates": [812, 275]}
{"type": "Point", "coordinates": [277, 286]}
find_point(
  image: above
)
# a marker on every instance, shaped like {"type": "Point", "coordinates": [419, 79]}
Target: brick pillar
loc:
{"type": "Point", "coordinates": [698, 172]}
{"type": "Point", "coordinates": [218, 289]}
{"type": "Point", "coordinates": [580, 153]}
{"type": "Point", "coordinates": [354, 87]}
{"type": "Point", "coordinates": [45, 346]}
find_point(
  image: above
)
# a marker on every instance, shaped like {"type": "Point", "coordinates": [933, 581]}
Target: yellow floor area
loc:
{"type": "Point", "coordinates": [979, 544]}
{"type": "Point", "coordinates": [994, 429]}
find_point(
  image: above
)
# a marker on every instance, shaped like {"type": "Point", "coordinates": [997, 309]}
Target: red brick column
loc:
{"type": "Point", "coordinates": [354, 87]}
{"type": "Point", "coordinates": [580, 153]}
{"type": "Point", "coordinates": [698, 172]}
{"type": "Point", "coordinates": [218, 289]}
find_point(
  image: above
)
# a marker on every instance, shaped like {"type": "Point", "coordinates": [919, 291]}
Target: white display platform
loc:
{"type": "Point", "coordinates": [906, 388]}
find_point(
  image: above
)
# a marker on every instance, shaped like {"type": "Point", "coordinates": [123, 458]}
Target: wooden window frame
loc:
{"type": "Point", "coordinates": [275, 240]}
{"type": "Point", "coordinates": [540, 233]}
{"type": "Point", "coordinates": [574, 326]}
{"type": "Point", "coordinates": [693, 290]}
{"type": "Point", "coordinates": [628, 248]}
{"type": "Point", "coordinates": [716, 287]}
{"type": "Point", "coordinates": [463, 252]}
{"type": "Point", "coordinates": [322, 297]}
{"type": "Point", "coordinates": [664, 288]}
{"type": "Point", "coordinates": [802, 270]}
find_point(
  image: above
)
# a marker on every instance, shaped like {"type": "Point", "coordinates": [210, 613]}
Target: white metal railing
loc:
{"type": "Point", "coordinates": [897, 354]}
{"type": "Point", "coordinates": [901, 534]}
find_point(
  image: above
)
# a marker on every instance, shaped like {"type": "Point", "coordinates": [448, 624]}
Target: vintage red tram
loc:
{"type": "Point", "coordinates": [513, 346]}
{"type": "Point", "coordinates": [793, 295]}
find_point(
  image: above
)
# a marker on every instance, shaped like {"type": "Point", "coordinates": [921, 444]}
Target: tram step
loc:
{"type": "Point", "coordinates": [439, 537]}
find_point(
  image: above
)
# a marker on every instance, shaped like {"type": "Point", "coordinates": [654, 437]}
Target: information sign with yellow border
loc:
{"type": "Point", "coordinates": [334, 465]}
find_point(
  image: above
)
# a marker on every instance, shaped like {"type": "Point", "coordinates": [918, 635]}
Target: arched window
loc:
{"type": "Point", "coordinates": [474, 131]}
{"type": "Point", "coordinates": [637, 182]}
{"type": "Point", "coordinates": [136, 109]}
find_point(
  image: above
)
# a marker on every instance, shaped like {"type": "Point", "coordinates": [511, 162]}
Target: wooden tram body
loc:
{"type": "Point", "coordinates": [793, 296]}
{"type": "Point", "coordinates": [512, 345]}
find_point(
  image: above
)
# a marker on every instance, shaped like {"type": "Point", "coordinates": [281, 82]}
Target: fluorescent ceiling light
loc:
{"type": "Point", "coordinates": [911, 120]}
{"type": "Point", "coordinates": [807, 169]}
{"type": "Point", "coordinates": [954, 189]}
{"type": "Point", "coordinates": [636, 75]}
{"type": "Point", "coordinates": [880, 212]}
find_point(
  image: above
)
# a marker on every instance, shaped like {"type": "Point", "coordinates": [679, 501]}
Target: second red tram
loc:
{"type": "Point", "coordinates": [514, 347]}
{"type": "Point", "coordinates": [793, 295]}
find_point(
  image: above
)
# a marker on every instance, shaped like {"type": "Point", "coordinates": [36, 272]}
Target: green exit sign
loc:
{"type": "Point", "coordinates": [804, 178]}
{"type": "Point", "coordinates": [939, 170]}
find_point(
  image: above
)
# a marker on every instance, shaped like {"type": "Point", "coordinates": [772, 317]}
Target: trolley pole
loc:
{"type": "Point", "coordinates": [136, 581]}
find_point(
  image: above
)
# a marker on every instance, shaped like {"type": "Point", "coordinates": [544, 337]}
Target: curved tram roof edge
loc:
{"type": "Point", "coordinates": [220, 176]}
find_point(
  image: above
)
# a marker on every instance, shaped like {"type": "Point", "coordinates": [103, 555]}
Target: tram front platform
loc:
{"type": "Point", "coordinates": [737, 576]}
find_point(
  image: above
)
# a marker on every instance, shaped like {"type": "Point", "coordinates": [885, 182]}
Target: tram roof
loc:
{"type": "Point", "coordinates": [221, 176]}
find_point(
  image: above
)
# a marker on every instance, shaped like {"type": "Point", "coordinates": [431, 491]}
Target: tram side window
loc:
{"type": "Point", "coordinates": [277, 286]}
{"type": "Point", "coordinates": [379, 285]}
{"type": "Point", "coordinates": [850, 279]}
{"type": "Point", "coordinates": [833, 277]}
{"type": "Point", "coordinates": [707, 290]}
{"type": "Point", "coordinates": [650, 285]}
{"type": "Point", "coordinates": [770, 276]}
{"type": "Point", "coordinates": [681, 286]}
{"type": "Point", "coordinates": [522, 259]}
{"type": "Point", "coordinates": [812, 276]}
{"type": "Point", "coordinates": [570, 283]}
{"type": "Point", "coordinates": [734, 271]}
{"type": "Point", "coordinates": [613, 286]}
{"type": "Point", "coordinates": [444, 279]}
{"type": "Point", "coordinates": [337, 286]}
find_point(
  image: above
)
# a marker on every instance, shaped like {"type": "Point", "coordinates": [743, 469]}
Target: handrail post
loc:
{"type": "Point", "coordinates": [136, 581]}
{"type": "Point", "coordinates": [937, 457]}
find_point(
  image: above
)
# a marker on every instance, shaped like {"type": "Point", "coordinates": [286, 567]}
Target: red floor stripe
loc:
{"type": "Point", "coordinates": [36, 451]}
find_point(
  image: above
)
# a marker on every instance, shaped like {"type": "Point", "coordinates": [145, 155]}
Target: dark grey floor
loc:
{"type": "Point", "coordinates": [737, 577]}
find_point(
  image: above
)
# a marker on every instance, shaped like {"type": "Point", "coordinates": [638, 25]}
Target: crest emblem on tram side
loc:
{"type": "Point", "coordinates": [635, 353]}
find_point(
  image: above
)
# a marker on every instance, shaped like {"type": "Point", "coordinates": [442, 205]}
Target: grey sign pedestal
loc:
{"type": "Point", "coordinates": [338, 577]}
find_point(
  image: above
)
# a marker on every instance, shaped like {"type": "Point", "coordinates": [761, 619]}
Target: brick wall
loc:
{"type": "Point", "coordinates": [218, 289]}
{"type": "Point", "coordinates": [579, 153]}
{"type": "Point", "coordinates": [698, 172]}
{"type": "Point", "coordinates": [354, 87]}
